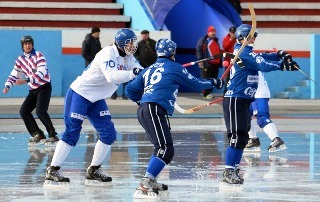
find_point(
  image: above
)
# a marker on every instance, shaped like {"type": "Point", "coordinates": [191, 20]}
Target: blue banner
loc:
{"type": "Point", "coordinates": [159, 9]}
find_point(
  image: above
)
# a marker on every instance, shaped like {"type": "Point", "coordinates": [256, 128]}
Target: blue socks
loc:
{"type": "Point", "coordinates": [233, 156]}
{"type": "Point", "coordinates": [155, 167]}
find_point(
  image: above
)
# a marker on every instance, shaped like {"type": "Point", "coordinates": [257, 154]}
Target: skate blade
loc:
{"type": "Point", "coordinates": [50, 144]}
{"type": "Point", "coordinates": [53, 184]}
{"type": "Point", "coordinates": [138, 194]}
{"type": "Point", "coordinates": [252, 150]}
{"type": "Point", "coordinates": [226, 187]}
{"type": "Point", "coordinates": [41, 142]}
{"type": "Point", "coordinates": [277, 149]}
{"type": "Point", "coordinates": [96, 183]}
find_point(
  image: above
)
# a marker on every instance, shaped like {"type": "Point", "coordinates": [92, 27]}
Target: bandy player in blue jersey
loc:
{"type": "Point", "coordinates": [86, 96]}
{"type": "Point", "coordinates": [240, 93]}
{"type": "Point", "coordinates": [155, 89]}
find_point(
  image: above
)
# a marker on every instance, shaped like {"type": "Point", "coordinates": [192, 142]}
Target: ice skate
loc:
{"type": "Point", "coordinates": [158, 186]}
{"type": "Point", "coordinates": [277, 145]}
{"type": "Point", "coordinates": [95, 178]}
{"type": "Point", "coordinates": [230, 181]}
{"type": "Point", "coordinates": [237, 173]}
{"type": "Point", "coordinates": [253, 146]}
{"type": "Point", "coordinates": [52, 141]}
{"type": "Point", "coordinates": [146, 190]}
{"type": "Point", "coordinates": [37, 137]}
{"type": "Point", "coordinates": [54, 179]}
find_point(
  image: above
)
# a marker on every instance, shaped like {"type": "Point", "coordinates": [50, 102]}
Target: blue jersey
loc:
{"type": "Point", "coordinates": [244, 80]}
{"type": "Point", "coordinates": [159, 84]}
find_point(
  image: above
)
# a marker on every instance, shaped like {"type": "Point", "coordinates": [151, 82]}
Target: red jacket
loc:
{"type": "Point", "coordinates": [203, 48]}
{"type": "Point", "coordinates": [228, 45]}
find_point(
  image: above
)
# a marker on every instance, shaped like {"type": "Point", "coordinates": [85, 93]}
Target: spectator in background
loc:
{"type": "Point", "coordinates": [91, 45]}
{"type": "Point", "coordinates": [208, 46]}
{"type": "Point", "coordinates": [228, 43]}
{"type": "Point", "coordinates": [31, 68]}
{"type": "Point", "coordinates": [146, 53]}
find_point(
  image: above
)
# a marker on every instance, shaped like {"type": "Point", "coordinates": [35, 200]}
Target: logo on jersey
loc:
{"type": "Point", "coordinates": [229, 92]}
{"type": "Point", "coordinates": [259, 59]}
{"type": "Point", "coordinates": [122, 67]}
{"type": "Point", "coordinates": [250, 91]}
{"type": "Point", "coordinates": [105, 113]}
{"type": "Point", "coordinates": [252, 79]}
{"type": "Point", "coordinates": [77, 116]}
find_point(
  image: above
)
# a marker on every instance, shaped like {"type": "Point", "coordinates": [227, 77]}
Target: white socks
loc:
{"type": "Point", "coordinates": [100, 152]}
{"type": "Point", "coordinates": [61, 153]}
{"type": "Point", "coordinates": [253, 131]}
{"type": "Point", "coordinates": [271, 131]}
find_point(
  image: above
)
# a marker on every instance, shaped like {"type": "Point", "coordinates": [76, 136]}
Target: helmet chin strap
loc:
{"type": "Point", "coordinates": [121, 52]}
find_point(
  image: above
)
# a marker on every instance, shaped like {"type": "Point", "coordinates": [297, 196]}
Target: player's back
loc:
{"type": "Point", "coordinates": [160, 82]}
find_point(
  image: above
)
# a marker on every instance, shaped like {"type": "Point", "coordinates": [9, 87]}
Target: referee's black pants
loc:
{"type": "Point", "coordinates": [38, 99]}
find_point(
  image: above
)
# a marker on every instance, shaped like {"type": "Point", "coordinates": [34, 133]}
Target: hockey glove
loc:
{"type": "Point", "coordinates": [218, 83]}
{"type": "Point", "coordinates": [289, 66]}
{"type": "Point", "coordinates": [136, 71]}
{"type": "Point", "coordinates": [284, 55]}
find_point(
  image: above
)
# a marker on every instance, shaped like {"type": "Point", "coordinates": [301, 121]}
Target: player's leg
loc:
{"type": "Point", "coordinates": [75, 109]}
{"type": "Point", "coordinates": [99, 116]}
{"type": "Point", "coordinates": [264, 122]}
{"type": "Point", "coordinates": [153, 120]}
{"type": "Point", "coordinates": [26, 109]}
{"type": "Point", "coordinates": [43, 100]}
{"type": "Point", "coordinates": [253, 142]}
{"type": "Point", "coordinates": [237, 116]}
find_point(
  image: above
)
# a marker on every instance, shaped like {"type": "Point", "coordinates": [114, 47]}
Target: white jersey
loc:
{"type": "Point", "coordinates": [104, 74]}
{"type": "Point", "coordinates": [263, 89]}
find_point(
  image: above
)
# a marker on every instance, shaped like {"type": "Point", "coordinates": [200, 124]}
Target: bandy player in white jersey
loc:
{"type": "Point", "coordinates": [86, 96]}
{"type": "Point", "coordinates": [260, 109]}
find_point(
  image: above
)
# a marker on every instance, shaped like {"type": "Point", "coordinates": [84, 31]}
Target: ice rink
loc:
{"type": "Point", "coordinates": [194, 174]}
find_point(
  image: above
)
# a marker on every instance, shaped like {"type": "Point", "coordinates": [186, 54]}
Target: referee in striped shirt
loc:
{"type": "Point", "coordinates": [31, 68]}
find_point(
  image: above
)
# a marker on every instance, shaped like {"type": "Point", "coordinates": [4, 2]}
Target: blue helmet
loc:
{"type": "Point", "coordinates": [166, 48]}
{"type": "Point", "coordinates": [126, 39]}
{"type": "Point", "coordinates": [243, 31]}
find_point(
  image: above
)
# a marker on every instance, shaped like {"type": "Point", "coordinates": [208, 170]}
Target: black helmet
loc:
{"type": "Point", "coordinates": [26, 39]}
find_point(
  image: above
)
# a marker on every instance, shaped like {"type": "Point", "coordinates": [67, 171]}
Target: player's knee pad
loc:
{"type": "Point", "coordinates": [71, 138]}
{"type": "Point", "coordinates": [72, 132]}
{"type": "Point", "coordinates": [166, 154]}
{"type": "Point", "coordinates": [108, 137]}
{"type": "Point", "coordinates": [263, 119]}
